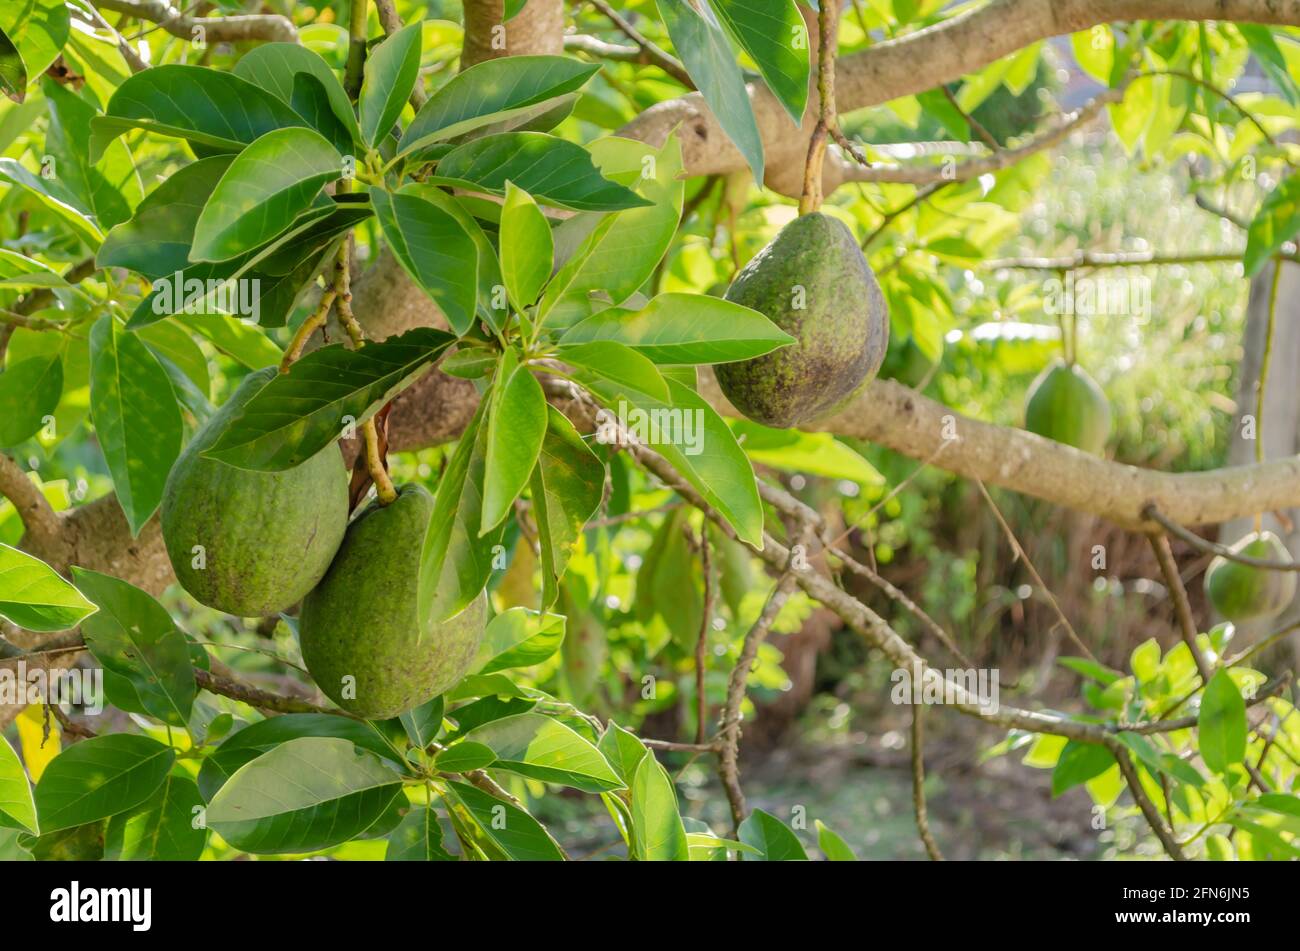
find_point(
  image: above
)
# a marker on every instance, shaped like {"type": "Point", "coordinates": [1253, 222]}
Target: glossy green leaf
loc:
{"type": "Point", "coordinates": [133, 636]}
{"type": "Point", "coordinates": [553, 170]}
{"type": "Point", "coordinates": [418, 839]}
{"type": "Point", "coordinates": [526, 248]}
{"type": "Point", "coordinates": [657, 830]}
{"type": "Point", "coordinates": [16, 803]}
{"type": "Point", "coordinates": [100, 777]}
{"type": "Point", "coordinates": [35, 597]}
{"type": "Point", "coordinates": [833, 847]}
{"type": "Point", "coordinates": [1270, 58]}
{"type": "Point", "coordinates": [435, 250]}
{"type": "Point", "coordinates": [514, 832]}
{"type": "Point", "coordinates": [424, 723]}
{"type": "Point", "coordinates": [623, 751]}
{"type": "Point", "coordinates": [39, 29]}
{"type": "Point", "coordinates": [392, 69]}
{"type": "Point", "coordinates": [464, 757]}
{"type": "Point", "coordinates": [518, 638]}
{"type": "Point", "coordinates": [166, 828]}
{"type": "Point", "coordinates": [53, 199]}
{"type": "Point", "coordinates": [774, 35]}
{"type": "Point", "coordinates": [1078, 763]}
{"type": "Point", "coordinates": [685, 328]}
{"type": "Point", "coordinates": [30, 391]}
{"type": "Point", "coordinates": [156, 240]}
{"type": "Point", "coordinates": [543, 748]}
{"type": "Point", "coordinates": [252, 741]}
{"type": "Point", "coordinates": [772, 838]}
{"type": "Point", "coordinates": [566, 488]}
{"type": "Point", "coordinates": [242, 342]}
{"type": "Point", "coordinates": [303, 795]}
{"type": "Point", "coordinates": [617, 363]}
{"type": "Point", "coordinates": [192, 103]}
{"type": "Point", "coordinates": [456, 560]}
{"type": "Point", "coordinates": [100, 189]}
{"type": "Point", "coordinates": [301, 412]}
{"type": "Point", "coordinates": [489, 90]}
{"type": "Point", "coordinates": [1221, 723]}
{"type": "Point", "coordinates": [137, 420]}
{"type": "Point", "coordinates": [266, 185]}
{"type": "Point", "coordinates": [19, 272]}
{"type": "Point", "coordinates": [276, 68]}
{"type": "Point", "coordinates": [516, 428]}
{"type": "Point", "coordinates": [13, 74]}
{"type": "Point", "coordinates": [707, 54]}
{"type": "Point", "coordinates": [819, 454]}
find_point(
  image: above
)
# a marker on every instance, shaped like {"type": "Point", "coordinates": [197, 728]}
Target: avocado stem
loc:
{"type": "Point", "coordinates": [827, 39]}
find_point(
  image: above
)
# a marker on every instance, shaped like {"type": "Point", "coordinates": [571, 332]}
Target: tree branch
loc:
{"type": "Point", "coordinates": [265, 27]}
{"type": "Point", "coordinates": [39, 518]}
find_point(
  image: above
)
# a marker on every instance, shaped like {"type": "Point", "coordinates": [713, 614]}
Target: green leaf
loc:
{"type": "Point", "coordinates": [526, 247]}
{"type": "Point", "coordinates": [518, 638]}
{"type": "Point", "coordinates": [192, 103]}
{"type": "Point", "coordinates": [543, 748]}
{"type": "Point", "coordinates": [276, 68]}
{"type": "Point", "coordinates": [268, 184]}
{"type": "Point", "coordinates": [700, 446]}
{"type": "Point", "coordinates": [418, 839]}
{"type": "Point", "coordinates": [161, 830]}
{"type": "Point", "coordinates": [301, 412]}
{"type": "Point", "coordinates": [1078, 763]}
{"type": "Point", "coordinates": [252, 741]}
{"type": "Point", "coordinates": [53, 199]}
{"type": "Point", "coordinates": [657, 830]}
{"type": "Point", "coordinates": [100, 777]}
{"type": "Point", "coordinates": [137, 420]}
{"type": "Point", "coordinates": [1277, 222]}
{"type": "Point", "coordinates": [1221, 723]}
{"type": "Point", "coordinates": [553, 170]}
{"type": "Point", "coordinates": [392, 69]}
{"type": "Point", "coordinates": [618, 254]}
{"type": "Point", "coordinates": [517, 834]}
{"type": "Point", "coordinates": [133, 636]}
{"type": "Point", "coordinates": [833, 847]}
{"type": "Point", "coordinates": [434, 249]}
{"type": "Point", "coordinates": [16, 801]}
{"type": "Point", "coordinates": [623, 751]}
{"type": "Point", "coordinates": [20, 273]}
{"type": "Point", "coordinates": [566, 488]}
{"type": "Point", "coordinates": [488, 91]}
{"type": "Point", "coordinates": [819, 454]}
{"type": "Point", "coordinates": [516, 428]}
{"type": "Point", "coordinates": [1264, 46]}
{"type": "Point", "coordinates": [617, 363]}
{"type": "Point", "coordinates": [424, 723]}
{"type": "Point", "coordinates": [306, 794]}
{"type": "Point", "coordinates": [30, 391]}
{"type": "Point", "coordinates": [772, 838]}
{"type": "Point", "coordinates": [710, 61]}
{"type": "Point", "coordinates": [39, 29]}
{"type": "Point", "coordinates": [13, 74]}
{"type": "Point", "coordinates": [456, 560]}
{"type": "Point", "coordinates": [100, 189]}
{"type": "Point", "coordinates": [464, 757]}
{"type": "Point", "coordinates": [35, 597]}
{"type": "Point", "coordinates": [156, 241]}
{"type": "Point", "coordinates": [1091, 669]}
{"type": "Point", "coordinates": [242, 342]}
{"type": "Point", "coordinates": [685, 328]}
{"type": "Point", "coordinates": [774, 35]}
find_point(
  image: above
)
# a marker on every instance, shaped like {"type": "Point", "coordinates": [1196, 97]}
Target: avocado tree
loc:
{"type": "Point", "coordinates": [478, 358]}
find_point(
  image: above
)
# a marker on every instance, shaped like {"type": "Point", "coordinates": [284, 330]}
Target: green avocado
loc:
{"type": "Point", "coordinates": [1243, 593]}
{"type": "Point", "coordinates": [266, 537]}
{"type": "Point", "coordinates": [1067, 405]}
{"type": "Point", "coordinates": [359, 629]}
{"type": "Point", "coordinates": [813, 282]}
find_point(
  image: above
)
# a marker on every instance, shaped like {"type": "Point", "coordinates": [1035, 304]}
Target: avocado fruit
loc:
{"type": "Point", "coordinates": [1066, 404]}
{"type": "Point", "coordinates": [266, 537]}
{"type": "Point", "coordinates": [813, 282]}
{"type": "Point", "coordinates": [1245, 593]}
{"type": "Point", "coordinates": [360, 628]}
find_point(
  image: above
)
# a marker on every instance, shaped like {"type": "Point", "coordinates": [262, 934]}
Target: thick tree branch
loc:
{"type": "Point", "coordinates": [266, 27]}
{"type": "Point", "coordinates": [39, 518]}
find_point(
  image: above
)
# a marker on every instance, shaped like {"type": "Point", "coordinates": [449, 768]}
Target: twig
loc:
{"type": "Point", "coordinates": [650, 52]}
{"type": "Point", "coordinates": [309, 326]}
{"type": "Point", "coordinates": [1182, 607]}
{"type": "Point", "coordinates": [1149, 811]}
{"type": "Point", "coordinates": [256, 697]}
{"type": "Point", "coordinates": [918, 783]}
{"type": "Point", "coordinates": [1153, 514]}
{"type": "Point", "coordinates": [702, 642]}
{"type": "Point", "coordinates": [984, 135]}
{"type": "Point", "coordinates": [827, 23]}
{"type": "Point", "coordinates": [392, 22]}
{"type": "Point", "coordinates": [268, 27]}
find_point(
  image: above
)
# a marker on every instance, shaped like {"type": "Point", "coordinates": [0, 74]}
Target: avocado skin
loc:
{"type": "Point", "coordinates": [841, 333]}
{"type": "Point", "coordinates": [1244, 593]}
{"type": "Point", "coordinates": [361, 621]}
{"type": "Point", "coordinates": [1067, 405]}
{"type": "Point", "coordinates": [268, 536]}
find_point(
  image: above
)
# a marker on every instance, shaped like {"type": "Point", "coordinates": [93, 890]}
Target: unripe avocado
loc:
{"type": "Point", "coordinates": [1245, 593]}
{"type": "Point", "coordinates": [1067, 405]}
{"type": "Point", "coordinates": [266, 537]}
{"type": "Point", "coordinates": [813, 282]}
{"type": "Point", "coordinates": [359, 629]}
